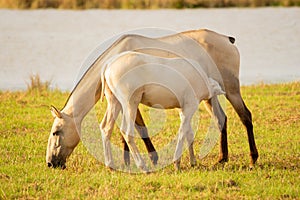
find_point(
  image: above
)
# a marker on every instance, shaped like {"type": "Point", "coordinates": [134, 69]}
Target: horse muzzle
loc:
{"type": "Point", "coordinates": [57, 164]}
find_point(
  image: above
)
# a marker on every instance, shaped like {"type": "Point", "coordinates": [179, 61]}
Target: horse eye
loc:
{"type": "Point", "coordinates": [56, 133]}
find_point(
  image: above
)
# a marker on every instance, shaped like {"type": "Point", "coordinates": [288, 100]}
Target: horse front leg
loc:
{"type": "Point", "coordinates": [143, 132]}
{"type": "Point", "coordinates": [126, 153]}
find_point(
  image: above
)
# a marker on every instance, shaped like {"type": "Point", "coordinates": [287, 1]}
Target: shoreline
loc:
{"type": "Point", "coordinates": [55, 89]}
{"type": "Point", "coordinates": [154, 4]}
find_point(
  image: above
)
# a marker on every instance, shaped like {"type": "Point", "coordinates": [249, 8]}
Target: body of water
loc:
{"type": "Point", "coordinates": [55, 43]}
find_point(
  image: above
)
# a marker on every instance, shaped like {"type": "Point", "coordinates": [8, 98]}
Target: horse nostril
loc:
{"type": "Point", "coordinates": [63, 166]}
{"type": "Point", "coordinates": [49, 164]}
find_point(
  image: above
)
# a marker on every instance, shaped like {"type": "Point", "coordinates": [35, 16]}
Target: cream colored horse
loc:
{"type": "Point", "coordinates": [132, 78]}
{"type": "Point", "coordinates": [64, 135]}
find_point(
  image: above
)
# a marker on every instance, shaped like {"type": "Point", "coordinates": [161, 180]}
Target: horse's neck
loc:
{"type": "Point", "coordinates": [88, 90]}
{"type": "Point", "coordinates": [82, 100]}
{"type": "Point", "coordinates": [86, 93]}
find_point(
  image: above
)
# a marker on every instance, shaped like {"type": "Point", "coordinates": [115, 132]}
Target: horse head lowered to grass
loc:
{"type": "Point", "coordinates": [63, 139]}
{"type": "Point", "coordinates": [64, 135]}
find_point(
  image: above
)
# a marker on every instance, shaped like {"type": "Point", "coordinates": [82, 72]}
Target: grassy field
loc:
{"type": "Point", "coordinates": [25, 124]}
{"type": "Point", "coordinates": [141, 4]}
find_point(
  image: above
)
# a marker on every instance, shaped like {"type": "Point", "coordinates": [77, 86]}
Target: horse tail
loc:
{"type": "Point", "coordinates": [231, 39]}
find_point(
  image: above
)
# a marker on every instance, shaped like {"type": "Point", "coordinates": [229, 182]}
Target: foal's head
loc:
{"type": "Point", "coordinates": [63, 139]}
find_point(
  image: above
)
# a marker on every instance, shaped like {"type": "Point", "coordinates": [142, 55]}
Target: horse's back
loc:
{"type": "Point", "coordinates": [220, 47]}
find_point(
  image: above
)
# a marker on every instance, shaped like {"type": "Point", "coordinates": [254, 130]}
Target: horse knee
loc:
{"type": "Point", "coordinates": [106, 131]}
{"type": "Point", "coordinates": [190, 136]}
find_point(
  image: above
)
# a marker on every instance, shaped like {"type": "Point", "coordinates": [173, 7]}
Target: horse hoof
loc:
{"type": "Point", "coordinates": [222, 160]}
{"type": "Point", "coordinates": [154, 157]}
{"type": "Point", "coordinates": [254, 158]}
{"type": "Point", "coordinates": [251, 167]}
{"type": "Point", "coordinates": [194, 164]}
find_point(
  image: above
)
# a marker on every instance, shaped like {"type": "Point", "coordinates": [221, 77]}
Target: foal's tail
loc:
{"type": "Point", "coordinates": [215, 87]}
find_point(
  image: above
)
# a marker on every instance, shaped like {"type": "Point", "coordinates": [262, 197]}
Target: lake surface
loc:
{"type": "Point", "coordinates": [55, 43]}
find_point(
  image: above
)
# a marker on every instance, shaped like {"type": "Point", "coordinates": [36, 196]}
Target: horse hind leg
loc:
{"type": "Point", "coordinates": [214, 108]}
{"type": "Point", "coordinates": [185, 131]}
{"type": "Point", "coordinates": [126, 152]}
{"type": "Point", "coordinates": [246, 118]}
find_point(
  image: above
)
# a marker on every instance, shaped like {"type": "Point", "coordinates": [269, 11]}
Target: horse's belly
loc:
{"type": "Point", "coordinates": [160, 97]}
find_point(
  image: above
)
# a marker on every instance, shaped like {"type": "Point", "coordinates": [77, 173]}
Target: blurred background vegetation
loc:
{"type": "Point", "coordinates": [141, 4]}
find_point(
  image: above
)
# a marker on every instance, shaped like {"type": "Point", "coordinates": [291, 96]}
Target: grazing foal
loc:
{"type": "Point", "coordinates": [132, 78]}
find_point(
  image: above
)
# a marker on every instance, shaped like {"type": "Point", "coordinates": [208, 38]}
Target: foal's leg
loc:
{"type": "Point", "coordinates": [185, 130]}
{"type": "Point", "coordinates": [142, 129]}
{"type": "Point", "coordinates": [246, 117]}
{"type": "Point", "coordinates": [217, 112]}
{"type": "Point", "coordinates": [106, 127]}
{"type": "Point", "coordinates": [190, 136]}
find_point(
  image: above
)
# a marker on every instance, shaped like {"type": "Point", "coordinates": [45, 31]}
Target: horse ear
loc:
{"type": "Point", "coordinates": [55, 112]}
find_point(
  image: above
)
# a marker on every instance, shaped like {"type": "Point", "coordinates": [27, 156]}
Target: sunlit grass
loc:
{"type": "Point", "coordinates": [26, 121]}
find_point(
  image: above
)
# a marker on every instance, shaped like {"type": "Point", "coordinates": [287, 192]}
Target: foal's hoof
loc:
{"type": "Point", "coordinates": [177, 166]}
{"type": "Point", "coordinates": [145, 170]}
{"type": "Point", "coordinates": [110, 168]}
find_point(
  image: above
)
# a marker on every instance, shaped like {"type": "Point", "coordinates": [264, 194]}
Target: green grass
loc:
{"type": "Point", "coordinates": [26, 121]}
